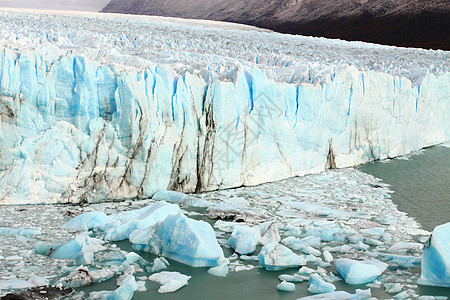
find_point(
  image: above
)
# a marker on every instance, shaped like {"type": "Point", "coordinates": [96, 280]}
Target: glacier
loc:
{"type": "Point", "coordinates": [88, 113]}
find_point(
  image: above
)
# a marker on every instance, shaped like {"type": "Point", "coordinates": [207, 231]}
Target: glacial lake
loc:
{"type": "Point", "coordinates": [421, 186]}
{"type": "Point", "coordinates": [417, 185]}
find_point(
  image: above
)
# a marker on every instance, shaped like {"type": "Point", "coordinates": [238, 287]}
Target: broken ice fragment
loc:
{"type": "Point", "coordinates": [124, 292]}
{"type": "Point", "coordinates": [275, 256]}
{"type": "Point", "coordinates": [222, 269]}
{"type": "Point", "coordinates": [177, 237]}
{"type": "Point", "coordinates": [81, 249]}
{"type": "Point", "coordinates": [359, 272]}
{"type": "Point", "coordinates": [319, 286]}
{"type": "Point", "coordinates": [170, 281]}
{"type": "Point", "coordinates": [286, 286]}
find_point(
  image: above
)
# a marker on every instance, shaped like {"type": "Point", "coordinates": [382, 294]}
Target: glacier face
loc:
{"type": "Point", "coordinates": [89, 113]}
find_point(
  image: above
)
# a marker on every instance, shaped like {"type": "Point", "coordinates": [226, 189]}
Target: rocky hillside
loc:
{"type": "Point", "coordinates": [416, 23]}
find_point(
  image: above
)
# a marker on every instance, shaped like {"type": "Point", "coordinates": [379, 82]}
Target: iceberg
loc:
{"type": "Point", "coordinates": [319, 286]}
{"type": "Point", "coordinates": [90, 114]}
{"type": "Point", "coordinates": [435, 268]}
{"type": "Point", "coordinates": [286, 286]}
{"type": "Point", "coordinates": [177, 237]}
{"type": "Point", "coordinates": [359, 272]}
{"type": "Point", "coordinates": [125, 291]}
{"type": "Point", "coordinates": [81, 248]}
{"type": "Point", "coordinates": [275, 257]}
{"type": "Point", "coordinates": [244, 239]}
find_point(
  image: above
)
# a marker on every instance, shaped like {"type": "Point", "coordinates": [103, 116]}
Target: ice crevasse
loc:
{"type": "Point", "coordinates": [75, 129]}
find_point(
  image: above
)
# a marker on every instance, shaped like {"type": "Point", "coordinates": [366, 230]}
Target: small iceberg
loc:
{"type": "Point", "coordinates": [436, 258]}
{"type": "Point", "coordinates": [81, 249]}
{"type": "Point", "coordinates": [170, 281]}
{"type": "Point", "coordinates": [275, 256]}
{"type": "Point", "coordinates": [286, 286]}
{"type": "Point", "coordinates": [359, 272]}
{"type": "Point", "coordinates": [319, 286]}
{"type": "Point", "coordinates": [182, 239]}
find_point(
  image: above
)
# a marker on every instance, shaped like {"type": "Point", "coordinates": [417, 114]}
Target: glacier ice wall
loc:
{"type": "Point", "coordinates": [73, 128]}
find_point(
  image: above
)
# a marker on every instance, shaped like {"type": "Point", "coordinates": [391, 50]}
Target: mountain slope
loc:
{"type": "Point", "coordinates": [424, 24]}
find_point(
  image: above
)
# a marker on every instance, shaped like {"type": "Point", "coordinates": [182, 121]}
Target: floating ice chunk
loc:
{"type": "Point", "coordinates": [393, 288]}
{"type": "Point", "coordinates": [225, 226]}
{"type": "Point", "coordinates": [319, 286]}
{"type": "Point", "coordinates": [375, 232]}
{"type": "Point", "coordinates": [436, 258]}
{"type": "Point", "coordinates": [313, 241]}
{"type": "Point", "coordinates": [86, 221]}
{"type": "Point", "coordinates": [354, 239]}
{"type": "Point", "coordinates": [327, 256]}
{"type": "Point", "coordinates": [15, 284]}
{"type": "Point", "coordinates": [286, 286]}
{"type": "Point", "coordinates": [159, 263]}
{"type": "Point", "coordinates": [245, 239]}
{"type": "Point", "coordinates": [185, 240]}
{"type": "Point", "coordinates": [403, 261]}
{"type": "Point", "coordinates": [325, 211]}
{"type": "Point", "coordinates": [342, 249]}
{"type": "Point", "coordinates": [247, 257]}
{"type": "Point", "coordinates": [311, 250]}
{"type": "Point", "coordinates": [244, 268]}
{"type": "Point", "coordinates": [341, 295]}
{"type": "Point", "coordinates": [81, 249]}
{"type": "Point", "coordinates": [402, 295]}
{"type": "Point", "coordinates": [171, 196]}
{"type": "Point", "coordinates": [82, 276]}
{"type": "Point", "coordinates": [222, 269]}
{"type": "Point", "coordinates": [275, 256]}
{"type": "Point", "coordinates": [269, 233]}
{"type": "Point", "coordinates": [131, 258]}
{"type": "Point", "coordinates": [295, 243]}
{"type": "Point", "coordinates": [372, 242]}
{"type": "Point", "coordinates": [361, 246]}
{"type": "Point", "coordinates": [180, 198]}
{"type": "Point", "coordinates": [120, 226]}
{"type": "Point", "coordinates": [7, 231]}
{"type": "Point", "coordinates": [170, 281]}
{"type": "Point", "coordinates": [124, 292]}
{"type": "Point", "coordinates": [359, 272]}
{"type": "Point", "coordinates": [402, 248]}
{"type": "Point", "coordinates": [331, 277]}
{"type": "Point", "coordinates": [291, 278]}
{"type": "Point", "coordinates": [427, 297]}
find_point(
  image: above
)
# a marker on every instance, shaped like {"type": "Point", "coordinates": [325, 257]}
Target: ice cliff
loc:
{"type": "Point", "coordinates": [96, 107]}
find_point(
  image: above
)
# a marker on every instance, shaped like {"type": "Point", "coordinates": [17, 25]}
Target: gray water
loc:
{"type": "Point", "coordinates": [421, 184]}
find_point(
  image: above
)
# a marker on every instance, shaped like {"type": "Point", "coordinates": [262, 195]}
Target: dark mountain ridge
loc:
{"type": "Point", "coordinates": [409, 23]}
